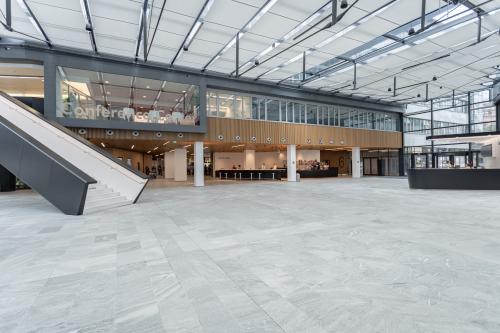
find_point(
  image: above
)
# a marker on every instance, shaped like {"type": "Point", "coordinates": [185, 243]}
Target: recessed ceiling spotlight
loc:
{"type": "Point", "coordinates": [147, 87]}
{"type": "Point", "coordinates": [132, 147]}
{"type": "Point", "coordinates": [107, 82]}
{"type": "Point", "coordinates": [256, 62]}
{"type": "Point", "coordinates": [434, 78]}
{"type": "Point", "coordinates": [411, 31]}
{"type": "Point", "coordinates": [389, 89]}
{"type": "Point", "coordinates": [144, 96]}
{"type": "Point", "coordinates": [108, 92]}
{"type": "Point", "coordinates": [344, 4]}
{"type": "Point", "coordinates": [418, 95]}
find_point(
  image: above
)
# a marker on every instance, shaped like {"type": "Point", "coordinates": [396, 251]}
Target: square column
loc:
{"type": "Point", "coordinates": [356, 162]}
{"type": "Point", "coordinates": [180, 165]}
{"type": "Point", "coordinates": [199, 167]}
{"type": "Point", "coordinates": [169, 165]}
{"type": "Point", "coordinates": [249, 159]}
{"type": "Point", "coordinates": [291, 163]}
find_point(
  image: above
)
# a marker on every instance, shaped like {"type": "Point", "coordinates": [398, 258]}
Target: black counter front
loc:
{"type": "Point", "coordinates": [275, 174]}
{"type": "Point", "coordinates": [331, 172]}
{"type": "Point", "coordinates": [454, 179]}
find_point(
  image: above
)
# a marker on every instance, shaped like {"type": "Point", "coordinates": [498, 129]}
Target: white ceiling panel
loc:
{"type": "Point", "coordinates": [116, 27]}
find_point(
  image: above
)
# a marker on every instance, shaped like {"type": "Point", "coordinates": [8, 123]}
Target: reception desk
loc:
{"type": "Point", "coordinates": [454, 179]}
{"type": "Point", "coordinates": [331, 172]}
{"type": "Point", "coordinates": [259, 174]}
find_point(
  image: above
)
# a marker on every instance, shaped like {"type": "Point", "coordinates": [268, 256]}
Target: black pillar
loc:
{"type": "Point", "coordinates": [498, 116]}
{"type": "Point", "coordinates": [402, 149]}
{"type": "Point", "coordinates": [7, 180]}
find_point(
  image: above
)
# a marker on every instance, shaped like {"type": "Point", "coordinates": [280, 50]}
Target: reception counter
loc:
{"type": "Point", "coordinates": [331, 172]}
{"type": "Point", "coordinates": [454, 179]}
{"type": "Point", "coordinates": [260, 174]}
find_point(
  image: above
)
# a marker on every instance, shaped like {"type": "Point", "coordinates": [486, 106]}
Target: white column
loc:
{"type": "Point", "coordinates": [291, 163]}
{"type": "Point", "coordinates": [169, 165]}
{"type": "Point", "coordinates": [180, 168]}
{"type": "Point", "coordinates": [199, 167]}
{"type": "Point", "coordinates": [356, 162]}
{"type": "Point", "coordinates": [249, 159]}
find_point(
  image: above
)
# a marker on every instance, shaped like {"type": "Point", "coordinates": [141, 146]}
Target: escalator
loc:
{"type": "Point", "coordinates": [71, 173]}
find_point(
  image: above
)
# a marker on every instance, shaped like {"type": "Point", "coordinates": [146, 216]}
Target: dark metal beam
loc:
{"type": "Point", "coordinates": [426, 92]}
{"type": "Point", "coordinates": [37, 24]}
{"type": "Point", "coordinates": [355, 76]}
{"type": "Point", "coordinates": [237, 54]}
{"type": "Point", "coordinates": [145, 29]}
{"type": "Point", "coordinates": [334, 12]}
{"type": "Point", "coordinates": [88, 23]}
{"type": "Point", "coordinates": [422, 17]}
{"type": "Point", "coordinates": [157, 24]}
{"type": "Point", "coordinates": [394, 88]}
{"type": "Point", "coordinates": [8, 13]}
{"type": "Point", "coordinates": [304, 66]}
{"type": "Point", "coordinates": [479, 27]}
{"type": "Point", "coordinates": [183, 45]}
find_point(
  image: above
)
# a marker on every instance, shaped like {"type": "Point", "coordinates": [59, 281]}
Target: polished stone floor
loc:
{"type": "Point", "coordinates": [337, 255]}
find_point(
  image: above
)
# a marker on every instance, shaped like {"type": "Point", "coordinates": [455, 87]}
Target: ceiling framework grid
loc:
{"type": "Point", "coordinates": [353, 48]}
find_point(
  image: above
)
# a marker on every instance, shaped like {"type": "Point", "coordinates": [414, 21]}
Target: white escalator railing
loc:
{"type": "Point", "coordinates": [110, 173]}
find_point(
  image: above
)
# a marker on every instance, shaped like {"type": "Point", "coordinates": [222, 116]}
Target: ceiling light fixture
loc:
{"type": "Point", "coordinates": [344, 4]}
{"type": "Point", "coordinates": [197, 25]}
{"type": "Point", "coordinates": [155, 148]}
{"type": "Point", "coordinates": [103, 145]}
{"type": "Point", "coordinates": [262, 11]}
{"type": "Point", "coordinates": [132, 147]}
{"type": "Point", "coordinates": [335, 36]}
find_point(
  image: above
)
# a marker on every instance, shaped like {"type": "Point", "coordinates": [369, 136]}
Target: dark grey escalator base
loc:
{"type": "Point", "coordinates": [7, 180]}
{"type": "Point", "coordinates": [58, 181]}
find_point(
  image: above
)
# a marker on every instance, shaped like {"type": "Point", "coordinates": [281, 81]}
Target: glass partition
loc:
{"type": "Point", "coordinates": [83, 94]}
{"type": "Point", "coordinates": [236, 105]}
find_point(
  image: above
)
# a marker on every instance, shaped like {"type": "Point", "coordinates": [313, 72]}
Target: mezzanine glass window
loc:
{"type": "Point", "coordinates": [90, 95]}
{"type": "Point", "coordinates": [241, 106]}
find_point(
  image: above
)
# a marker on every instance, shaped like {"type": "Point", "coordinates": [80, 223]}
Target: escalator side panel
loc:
{"type": "Point", "coordinates": [58, 181]}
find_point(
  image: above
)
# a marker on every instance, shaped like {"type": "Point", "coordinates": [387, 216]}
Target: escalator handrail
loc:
{"type": "Point", "coordinates": [51, 154]}
{"type": "Point", "coordinates": [74, 136]}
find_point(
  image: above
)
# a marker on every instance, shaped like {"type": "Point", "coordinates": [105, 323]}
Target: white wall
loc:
{"type": "Point", "coordinates": [269, 158]}
{"type": "Point", "coordinates": [227, 160]}
{"type": "Point", "coordinates": [308, 155]}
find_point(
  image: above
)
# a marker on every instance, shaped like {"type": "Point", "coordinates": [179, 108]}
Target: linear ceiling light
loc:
{"type": "Point", "coordinates": [289, 34]}
{"type": "Point", "coordinates": [27, 11]}
{"type": "Point", "coordinates": [195, 28]}
{"type": "Point", "coordinates": [263, 10]}
{"type": "Point", "coordinates": [334, 37]}
{"type": "Point", "coordinates": [88, 22]}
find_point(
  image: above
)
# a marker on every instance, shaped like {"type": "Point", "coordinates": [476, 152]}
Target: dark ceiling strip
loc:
{"type": "Point", "coordinates": [328, 25]}
{"type": "Point", "coordinates": [156, 26]}
{"type": "Point", "coordinates": [8, 10]}
{"type": "Point", "coordinates": [145, 29]}
{"type": "Point", "coordinates": [39, 26]}
{"type": "Point", "coordinates": [89, 25]}
{"type": "Point", "coordinates": [187, 35]}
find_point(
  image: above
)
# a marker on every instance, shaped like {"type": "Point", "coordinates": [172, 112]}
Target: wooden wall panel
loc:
{"type": "Point", "coordinates": [229, 129]}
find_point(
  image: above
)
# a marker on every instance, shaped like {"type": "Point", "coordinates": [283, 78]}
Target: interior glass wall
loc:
{"type": "Point", "coordinates": [228, 105]}
{"type": "Point", "coordinates": [472, 112]}
{"type": "Point", "coordinates": [83, 94]}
